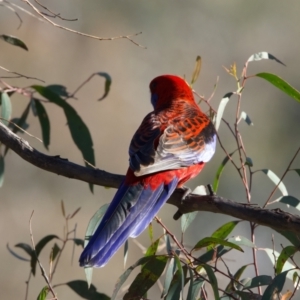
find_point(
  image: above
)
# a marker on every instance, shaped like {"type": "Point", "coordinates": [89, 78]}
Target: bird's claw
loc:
{"type": "Point", "coordinates": [187, 191]}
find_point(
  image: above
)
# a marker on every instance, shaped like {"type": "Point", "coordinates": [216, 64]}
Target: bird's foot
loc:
{"type": "Point", "coordinates": [187, 191]}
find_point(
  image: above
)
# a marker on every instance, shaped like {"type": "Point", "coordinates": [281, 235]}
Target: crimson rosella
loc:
{"type": "Point", "coordinates": [171, 146]}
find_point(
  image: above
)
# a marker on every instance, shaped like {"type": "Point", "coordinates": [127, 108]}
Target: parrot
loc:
{"type": "Point", "coordinates": [171, 146]}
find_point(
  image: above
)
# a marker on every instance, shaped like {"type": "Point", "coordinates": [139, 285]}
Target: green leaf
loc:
{"type": "Point", "coordinates": [13, 41]}
{"type": "Point", "coordinates": [196, 70]}
{"type": "Point", "coordinates": [275, 179]}
{"type": "Point", "coordinates": [78, 242]}
{"type": "Point", "coordinates": [223, 231]}
{"type": "Point", "coordinates": [55, 251]}
{"type": "Point", "coordinates": [150, 273]}
{"type": "Point", "coordinates": [249, 162]}
{"type": "Point", "coordinates": [250, 283]}
{"type": "Point", "coordinates": [281, 84]}
{"type": "Point", "coordinates": [2, 169]}
{"type": "Point", "coordinates": [220, 171]}
{"type": "Point", "coordinates": [59, 90]}
{"type": "Point", "coordinates": [291, 236]}
{"type": "Point", "coordinates": [195, 286]}
{"type": "Point", "coordinates": [125, 256]}
{"type": "Point", "coordinates": [212, 280]}
{"type": "Point", "coordinates": [16, 255]}
{"type": "Point", "coordinates": [169, 275]}
{"type": "Point", "coordinates": [176, 285]}
{"type": "Point", "coordinates": [272, 254]}
{"type": "Point", "coordinates": [285, 254]}
{"type": "Point", "coordinates": [21, 122]}
{"type": "Point", "coordinates": [43, 293]}
{"type": "Point", "coordinates": [44, 122]}
{"type": "Point", "coordinates": [290, 200]}
{"type": "Point", "coordinates": [38, 248]}
{"type": "Point", "coordinates": [246, 118]}
{"type": "Point", "coordinates": [92, 226]}
{"type": "Point", "coordinates": [213, 254]}
{"type": "Point", "coordinates": [275, 287]}
{"type": "Point", "coordinates": [27, 248]}
{"type": "Point", "coordinates": [5, 108]}
{"type": "Point", "coordinates": [126, 274]}
{"type": "Point", "coordinates": [187, 219]}
{"type": "Point", "coordinates": [106, 85]}
{"type": "Point", "coordinates": [168, 243]}
{"type": "Point", "coordinates": [221, 109]}
{"type": "Point", "coordinates": [79, 131]}
{"type": "Point", "coordinates": [180, 272]}
{"type": "Point", "coordinates": [80, 287]}
{"type": "Point", "coordinates": [150, 231]}
{"type": "Point", "coordinates": [152, 248]}
{"type": "Point", "coordinates": [263, 55]}
{"type": "Point", "coordinates": [212, 241]}
{"type": "Point", "coordinates": [232, 284]}
{"type": "Point", "coordinates": [241, 241]}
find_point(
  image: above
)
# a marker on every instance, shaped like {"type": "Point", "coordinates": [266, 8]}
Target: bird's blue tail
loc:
{"type": "Point", "coordinates": [129, 213]}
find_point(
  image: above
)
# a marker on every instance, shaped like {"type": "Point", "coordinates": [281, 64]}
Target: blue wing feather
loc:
{"type": "Point", "coordinates": [130, 212]}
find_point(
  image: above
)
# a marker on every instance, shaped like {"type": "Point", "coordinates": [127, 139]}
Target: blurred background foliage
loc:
{"type": "Point", "coordinates": [174, 32]}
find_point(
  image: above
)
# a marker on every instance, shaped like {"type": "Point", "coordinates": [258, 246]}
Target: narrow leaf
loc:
{"type": "Point", "coordinates": [232, 284]}
{"type": "Point", "coordinates": [43, 293]}
{"type": "Point", "coordinates": [168, 244]}
{"type": "Point", "coordinates": [55, 251]}
{"type": "Point", "coordinates": [80, 288]}
{"type": "Point", "coordinates": [92, 226]}
{"type": "Point", "coordinates": [212, 280]}
{"type": "Point", "coordinates": [79, 131]}
{"type": "Point", "coordinates": [106, 85]}
{"type": "Point", "coordinates": [187, 219]}
{"type": "Point", "coordinates": [152, 248]}
{"type": "Point", "coordinates": [220, 170]}
{"type": "Point", "coordinates": [281, 84]}
{"type": "Point", "coordinates": [125, 256]}
{"type": "Point", "coordinates": [59, 90]}
{"type": "Point", "coordinates": [63, 208]}
{"type": "Point", "coordinates": [261, 280]}
{"type": "Point", "coordinates": [79, 242]}
{"type": "Point", "coordinates": [249, 162]}
{"type": "Point", "coordinates": [196, 70]}
{"type": "Point", "coordinates": [126, 274]}
{"type": "Point", "coordinates": [275, 287]}
{"type": "Point", "coordinates": [75, 213]}
{"type": "Point", "coordinates": [213, 254]}
{"type": "Point", "coordinates": [44, 122]}
{"type": "Point", "coordinates": [223, 231]}
{"type": "Point", "coordinates": [27, 248]}
{"type": "Point", "coordinates": [290, 200]}
{"type": "Point", "coordinates": [38, 248]}
{"type": "Point", "coordinates": [241, 241]}
{"type": "Point", "coordinates": [285, 254]}
{"type": "Point", "coordinates": [169, 275]}
{"type": "Point", "coordinates": [176, 285]}
{"type": "Point", "coordinates": [195, 286]}
{"type": "Point", "coordinates": [208, 241]}
{"type": "Point", "coordinates": [150, 273]}
{"type": "Point", "coordinates": [246, 118]}
{"type": "Point", "coordinates": [5, 108]}
{"type": "Point", "coordinates": [13, 41]}
{"type": "Point", "coordinates": [180, 272]}
{"type": "Point", "coordinates": [263, 55]}
{"type": "Point", "coordinates": [221, 109]}
{"type": "Point", "coordinates": [21, 122]}
{"type": "Point", "coordinates": [16, 255]}
{"type": "Point", "coordinates": [275, 179]}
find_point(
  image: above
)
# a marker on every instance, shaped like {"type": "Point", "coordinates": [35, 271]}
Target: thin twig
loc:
{"type": "Point", "coordinates": [20, 75]}
{"type": "Point", "coordinates": [39, 263]}
{"type": "Point", "coordinates": [282, 177]}
{"type": "Point", "coordinates": [128, 37]}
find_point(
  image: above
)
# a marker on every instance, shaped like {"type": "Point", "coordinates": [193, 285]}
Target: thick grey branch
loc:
{"type": "Point", "coordinates": [275, 219]}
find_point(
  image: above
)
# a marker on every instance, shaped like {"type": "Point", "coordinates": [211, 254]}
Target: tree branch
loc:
{"type": "Point", "coordinates": [276, 218]}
